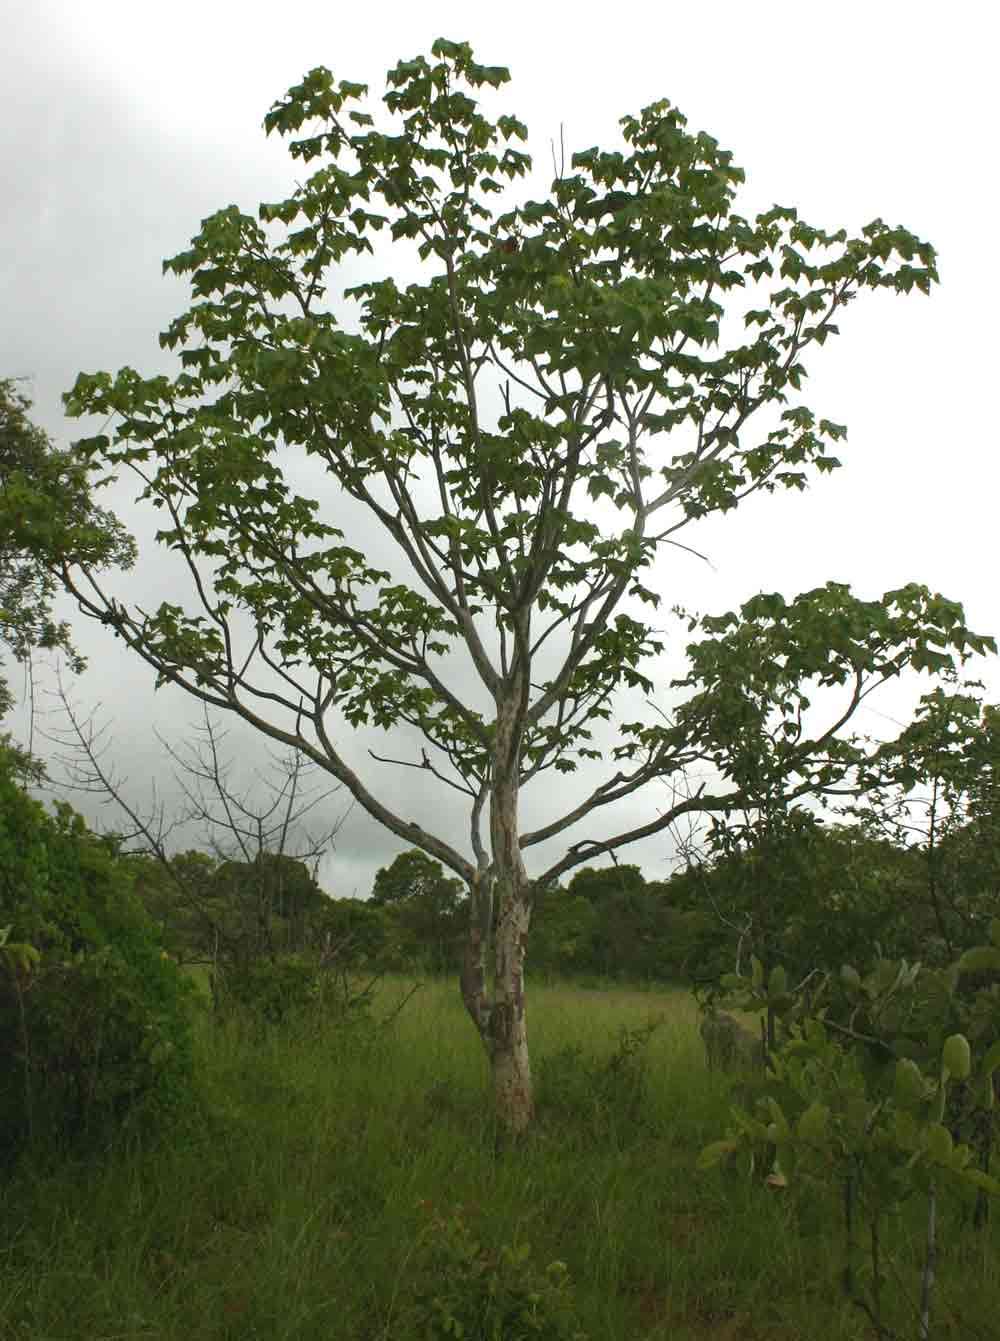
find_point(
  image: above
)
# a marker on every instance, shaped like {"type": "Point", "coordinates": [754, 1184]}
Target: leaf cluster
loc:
{"type": "Point", "coordinates": [46, 515]}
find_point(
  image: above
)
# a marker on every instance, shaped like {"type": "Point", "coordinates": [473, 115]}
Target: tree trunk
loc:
{"type": "Point", "coordinates": [508, 1025]}
{"type": "Point", "coordinates": [497, 1008]}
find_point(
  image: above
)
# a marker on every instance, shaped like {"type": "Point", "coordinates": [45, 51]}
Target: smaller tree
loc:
{"type": "Point", "coordinates": [268, 900]}
{"type": "Point", "coordinates": [360, 935]}
{"type": "Point", "coordinates": [938, 793]}
{"type": "Point", "coordinates": [599, 883]}
{"type": "Point", "coordinates": [411, 875]}
{"type": "Point", "coordinates": [563, 928]}
{"type": "Point", "coordinates": [883, 1091]}
{"type": "Point", "coordinates": [798, 893]}
{"type": "Point", "coordinates": [227, 902]}
{"type": "Point", "coordinates": [428, 907]}
{"type": "Point", "coordinates": [188, 922]}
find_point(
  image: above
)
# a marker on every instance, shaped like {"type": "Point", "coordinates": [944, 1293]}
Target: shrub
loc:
{"type": "Point", "coordinates": [294, 991]}
{"type": "Point", "coordinates": [273, 990]}
{"type": "Point", "coordinates": [466, 1290]}
{"type": "Point", "coordinates": [91, 1044]}
{"type": "Point", "coordinates": [96, 1031]}
{"type": "Point", "coordinates": [609, 1095]}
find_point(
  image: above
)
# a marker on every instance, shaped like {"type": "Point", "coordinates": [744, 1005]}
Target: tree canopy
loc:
{"type": "Point", "coordinates": [414, 875]}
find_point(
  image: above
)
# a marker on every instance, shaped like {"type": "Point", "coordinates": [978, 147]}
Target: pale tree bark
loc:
{"type": "Point", "coordinates": [508, 1032]}
{"type": "Point", "coordinates": [497, 1008]}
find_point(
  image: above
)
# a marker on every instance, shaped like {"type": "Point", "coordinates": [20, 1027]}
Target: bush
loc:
{"type": "Point", "coordinates": [91, 1045]}
{"type": "Point", "coordinates": [273, 990]}
{"type": "Point", "coordinates": [465, 1290]}
{"type": "Point", "coordinates": [607, 1096]}
{"type": "Point", "coordinates": [293, 991]}
{"type": "Point", "coordinates": [98, 1030]}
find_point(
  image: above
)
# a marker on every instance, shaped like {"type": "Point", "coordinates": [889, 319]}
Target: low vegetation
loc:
{"type": "Point", "coordinates": [346, 1184]}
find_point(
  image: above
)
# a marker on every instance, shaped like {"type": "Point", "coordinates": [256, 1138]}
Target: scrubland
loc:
{"type": "Point", "coordinates": [344, 1178]}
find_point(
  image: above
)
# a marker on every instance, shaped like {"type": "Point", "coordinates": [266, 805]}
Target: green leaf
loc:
{"type": "Point", "coordinates": [939, 1143]}
{"type": "Point", "coordinates": [956, 1057]}
{"type": "Point", "coordinates": [978, 1178]}
{"type": "Point", "coordinates": [906, 1130]}
{"type": "Point", "coordinates": [980, 959]}
{"type": "Point", "coordinates": [910, 1085]}
{"type": "Point", "coordinates": [716, 1152]}
{"type": "Point", "coordinates": [813, 1124]}
{"type": "Point", "coordinates": [781, 1129]}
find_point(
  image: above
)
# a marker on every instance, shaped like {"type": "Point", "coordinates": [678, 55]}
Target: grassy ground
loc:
{"type": "Point", "coordinates": [306, 1211]}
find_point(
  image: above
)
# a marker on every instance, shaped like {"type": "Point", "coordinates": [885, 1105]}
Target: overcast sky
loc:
{"type": "Point", "coordinates": [125, 124]}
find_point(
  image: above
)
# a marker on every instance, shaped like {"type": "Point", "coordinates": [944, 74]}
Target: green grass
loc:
{"type": "Point", "coordinates": [300, 1212]}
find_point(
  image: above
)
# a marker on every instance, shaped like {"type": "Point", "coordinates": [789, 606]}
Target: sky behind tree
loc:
{"type": "Point", "coordinates": [125, 125]}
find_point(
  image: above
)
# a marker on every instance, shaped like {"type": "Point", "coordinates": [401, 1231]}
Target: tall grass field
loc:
{"type": "Point", "coordinates": [347, 1183]}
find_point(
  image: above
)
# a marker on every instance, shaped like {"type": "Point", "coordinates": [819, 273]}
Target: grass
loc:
{"type": "Point", "coordinates": [301, 1211]}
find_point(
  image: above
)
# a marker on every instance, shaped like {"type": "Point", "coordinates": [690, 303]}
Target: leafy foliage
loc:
{"type": "Point", "coordinates": [96, 1027]}
{"type": "Point", "coordinates": [296, 991]}
{"type": "Point", "coordinates": [45, 507]}
{"type": "Point", "coordinates": [465, 1290]}
{"type": "Point", "coordinates": [801, 894]}
{"type": "Point", "coordinates": [276, 990]}
{"type": "Point", "coordinates": [606, 310]}
{"type": "Point", "coordinates": [883, 1088]}
{"type": "Point", "coordinates": [939, 791]}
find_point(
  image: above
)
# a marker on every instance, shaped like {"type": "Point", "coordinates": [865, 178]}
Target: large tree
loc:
{"type": "Point", "coordinates": [556, 397]}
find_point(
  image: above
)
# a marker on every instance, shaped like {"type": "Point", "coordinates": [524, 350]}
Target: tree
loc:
{"type": "Point", "coordinates": [562, 932]}
{"type": "Point", "coordinates": [272, 892]}
{"type": "Point", "coordinates": [598, 884]}
{"type": "Point", "coordinates": [799, 895]}
{"type": "Point", "coordinates": [631, 923]}
{"type": "Point", "coordinates": [413, 875]}
{"type": "Point", "coordinates": [223, 908]}
{"type": "Point", "coordinates": [45, 507]}
{"type": "Point", "coordinates": [547, 406]}
{"type": "Point", "coordinates": [939, 792]}
{"type": "Point", "coordinates": [425, 905]}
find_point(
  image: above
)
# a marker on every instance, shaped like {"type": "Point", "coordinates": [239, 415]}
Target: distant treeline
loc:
{"type": "Point", "coordinates": [813, 895]}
